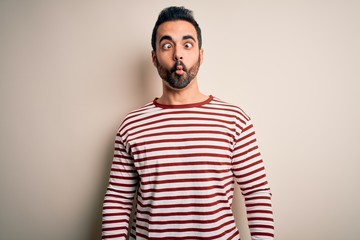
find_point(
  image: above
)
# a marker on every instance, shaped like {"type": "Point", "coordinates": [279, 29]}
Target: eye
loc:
{"type": "Point", "coordinates": [188, 45]}
{"type": "Point", "coordinates": [166, 46]}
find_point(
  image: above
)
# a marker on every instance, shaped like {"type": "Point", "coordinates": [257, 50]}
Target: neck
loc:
{"type": "Point", "coordinates": [190, 94]}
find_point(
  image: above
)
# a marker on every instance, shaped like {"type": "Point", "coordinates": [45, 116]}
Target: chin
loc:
{"type": "Point", "coordinates": [178, 86]}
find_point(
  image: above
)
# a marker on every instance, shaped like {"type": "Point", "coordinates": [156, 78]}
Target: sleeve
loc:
{"type": "Point", "coordinates": [249, 172]}
{"type": "Point", "coordinates": [120, 193]}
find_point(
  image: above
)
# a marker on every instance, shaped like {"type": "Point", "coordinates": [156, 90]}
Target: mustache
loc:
{"type": "Point", "coordinates": [178, 63]}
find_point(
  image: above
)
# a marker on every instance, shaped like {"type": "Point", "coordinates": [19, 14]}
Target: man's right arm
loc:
{"type": "Point", "coordinates": [120, 194]}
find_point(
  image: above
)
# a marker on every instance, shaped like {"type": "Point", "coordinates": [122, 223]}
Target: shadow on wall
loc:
{"type": "Point", "coordinates": [146, 86]}
{"type": "Point", "coordinates": [148, 81]}
{"type": "Point", "coordinates": [96, 215]}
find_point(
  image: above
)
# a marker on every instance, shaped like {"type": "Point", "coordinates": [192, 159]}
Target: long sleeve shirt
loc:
{"type": "Point", "coordinates": [179, 163]}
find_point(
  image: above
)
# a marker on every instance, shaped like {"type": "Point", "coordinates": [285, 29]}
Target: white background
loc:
{"type": "Point", "coordinates": [71, 70]}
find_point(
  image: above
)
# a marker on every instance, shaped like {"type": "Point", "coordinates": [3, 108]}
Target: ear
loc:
{"type": "Point", "coordinates": [153, 57]}
{"type": "Point", "coordinates": [201, 55]}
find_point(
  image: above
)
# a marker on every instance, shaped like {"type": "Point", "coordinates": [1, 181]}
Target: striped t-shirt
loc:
{"type": "Point", "coordinates": [182, 161]}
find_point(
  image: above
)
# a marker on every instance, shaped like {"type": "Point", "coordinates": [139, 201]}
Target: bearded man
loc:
{"type": "Point", "coordinates": [183, 152]}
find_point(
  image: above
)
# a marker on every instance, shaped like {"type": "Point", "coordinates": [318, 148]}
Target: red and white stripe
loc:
{"type": "Point", "coordinates": [183, 160]}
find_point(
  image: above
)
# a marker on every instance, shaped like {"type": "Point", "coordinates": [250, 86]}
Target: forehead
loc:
{"type": "Point", "coordinates": [176, 29]}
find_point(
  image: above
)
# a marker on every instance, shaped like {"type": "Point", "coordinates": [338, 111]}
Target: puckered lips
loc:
{"type": "Point", "coordinates": [179, 68]}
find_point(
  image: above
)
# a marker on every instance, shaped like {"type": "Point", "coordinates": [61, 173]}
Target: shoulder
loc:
{"type": "Point", "coordinates": [137, 115]}
{"type": "Point", "coordinates": [230, 108]}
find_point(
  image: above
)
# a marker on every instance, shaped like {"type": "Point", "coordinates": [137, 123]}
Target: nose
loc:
{"type": "Point", "coordinates": [178, 54]}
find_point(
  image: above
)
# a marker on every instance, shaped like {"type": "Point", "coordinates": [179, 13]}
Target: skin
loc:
{"type": "Point", "coordinates": [176, 41]}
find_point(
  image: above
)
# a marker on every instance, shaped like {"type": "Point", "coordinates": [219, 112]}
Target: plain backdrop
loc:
{"type": "Point", "coordinates": [71, 70]}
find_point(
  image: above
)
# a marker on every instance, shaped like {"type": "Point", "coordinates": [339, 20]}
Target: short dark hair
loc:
{"type": "Point", "coordinates": [173, 14]}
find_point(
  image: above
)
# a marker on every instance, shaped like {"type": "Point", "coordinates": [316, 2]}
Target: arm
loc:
{"type": "Point", "coordinates": [120, 193]}
{"type": "Point", "coordinates": [249, 172]}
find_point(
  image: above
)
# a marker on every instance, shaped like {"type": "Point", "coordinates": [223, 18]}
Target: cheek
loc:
{"type": "Point", "coordinates": [165, 62]}
{"type": "Point", "coordinates": [192, 56]}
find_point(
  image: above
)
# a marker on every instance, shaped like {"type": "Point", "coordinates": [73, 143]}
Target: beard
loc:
{"type": "Point", "coordinates": [178, 81]}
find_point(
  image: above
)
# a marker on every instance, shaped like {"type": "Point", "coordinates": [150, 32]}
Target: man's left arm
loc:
{"type": "Point", "coordinates": [249, 172]}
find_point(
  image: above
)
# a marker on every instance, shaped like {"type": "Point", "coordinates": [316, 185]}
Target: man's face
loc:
{"type": "Point", "coordinates": [177, 57]}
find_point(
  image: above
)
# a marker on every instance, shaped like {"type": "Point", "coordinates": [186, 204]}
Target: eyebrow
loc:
{"type": "Point", "coordinates": [188, 37]}
{"type": "Point", "coordinates": [167, 37]}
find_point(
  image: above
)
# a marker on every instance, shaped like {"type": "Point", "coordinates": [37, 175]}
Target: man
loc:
{"type": "Point", "coordinates": [182, 152]}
